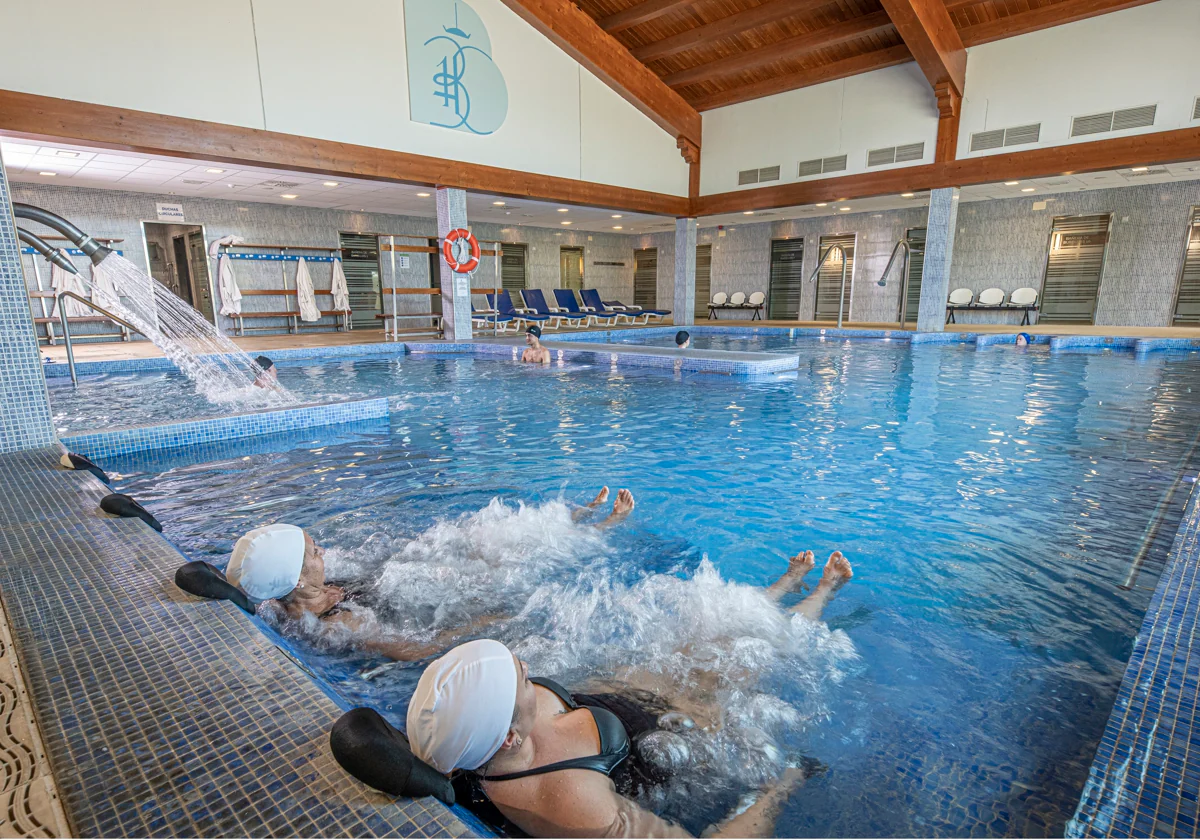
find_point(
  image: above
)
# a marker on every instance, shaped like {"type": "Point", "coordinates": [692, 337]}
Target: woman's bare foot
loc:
{"type": "Point", "coordinates": [622, 507]}
{"type": "Point", "coordinates": [600, 499]}
{"type": "Point", "coordinates": [837, 570]}
{"type": "Point", "coordinates": [792, 579]}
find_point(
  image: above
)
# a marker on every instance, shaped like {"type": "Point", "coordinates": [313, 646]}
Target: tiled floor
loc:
{"type": "Point", "coordinates": [164, 715]}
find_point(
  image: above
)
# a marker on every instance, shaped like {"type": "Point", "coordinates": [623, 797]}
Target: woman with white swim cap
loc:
{"type": "Point", "coordinates": [547, 758]}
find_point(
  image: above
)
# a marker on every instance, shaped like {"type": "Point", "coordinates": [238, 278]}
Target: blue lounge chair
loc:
{"type": "Point", "coordinates": [617, 306]}
{"type": "Point", "coordinates": [566, 299]}
{"type": "Point", "coordinates": [592, 303]}
{"type": "Point", "coordinates": [487, 318]}
{"type": "Point", "coordinates": [535, 299]}
{"type": "Point", "coordinates": [520, 316]}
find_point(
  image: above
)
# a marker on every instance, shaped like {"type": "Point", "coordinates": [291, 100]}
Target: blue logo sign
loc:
{"type": "Point", "coordinates": [452, 80]}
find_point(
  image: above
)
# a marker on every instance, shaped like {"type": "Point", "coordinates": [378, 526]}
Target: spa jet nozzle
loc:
{"type": "Point", "coordinates": [90, 247]}
{"type": "Point", "coordinates": [46, 250]}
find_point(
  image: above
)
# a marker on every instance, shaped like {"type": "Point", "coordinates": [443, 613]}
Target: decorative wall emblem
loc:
{"type": "Point", "coordinates": [452, 80]}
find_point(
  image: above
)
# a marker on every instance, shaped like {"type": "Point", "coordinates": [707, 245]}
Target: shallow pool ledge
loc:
{"type": "Point", "coordinates": [100, 445]}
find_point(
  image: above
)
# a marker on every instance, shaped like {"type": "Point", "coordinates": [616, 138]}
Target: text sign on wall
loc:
{"type": "Point", "coordinates": [452, 80]}
{"type": "Point", "coordinates": [169, 212]}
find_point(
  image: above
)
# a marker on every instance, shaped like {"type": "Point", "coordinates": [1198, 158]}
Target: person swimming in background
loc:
{"type": "Point", "coordinates": [683, 340]}
{"type": "Point", "coordinates": [269, 378]}
{"type": "Point", "coordinates": [1023, 340]}
{"type": "Point", "coordinates": [550, 761]}
{"type": "Point", "coordinates": [535, 353]}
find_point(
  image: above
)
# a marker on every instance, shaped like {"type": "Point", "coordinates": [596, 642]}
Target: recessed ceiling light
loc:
{"type": "Point", "coordinates": [1028, 189]}
{"type": "Point", "coordinates": [617, 227]}
{"type": "Point", "coordinates": [616, 215]}
{"type": "Point", "coordinates": [906, 195]}
{"type": "Point", "coordinates": [289, 195]}
{"type": "Point", "coordinates": [564, 209]}
{"type": "Point", "coordinates": [1011, 183]}
{"type": "Point", "coordinates": [844, 209]}
{"type": "Point", "coordinates": [558, 234]}
{"type": "Point", "coordinates": [564, 222]}
{"type": "Point", "coordinates": [214, 171]}
{"type": "Point", "coordinates": [65, 153]}
{"type": "Point", "coordinates": [1140, 169]}
{"type": "Point", "coordinates": [497, 203]}
{"type": "Point", "coordinates": [823, 204]}
{"type": "Point", "coordinates": [47, 174]}
{"type": "Point", "coordinates": [747, 212]}
{"type": "Point", "coordinates": [231, 186]}
{"type": "Point", "coordinates": [422, 195]}
{"type": "Point", "coordinates": [330, 183]}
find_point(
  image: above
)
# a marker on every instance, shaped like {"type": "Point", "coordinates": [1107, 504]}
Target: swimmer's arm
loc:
{"type": "Point", "coordinates": [758, 820]}
{"type": "Point", "coordinates": [403, 650]}
{"type": "Point", "coordinates": [569, 809]}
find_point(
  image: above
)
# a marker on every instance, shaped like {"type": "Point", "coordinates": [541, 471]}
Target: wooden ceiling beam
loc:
{"type": "Point", "coordinates": [927, 29]}
{"type": "Point", "coordinates": [1067, 11]}
{"type": "Point", "coordinates": [1152, 149]}
{"type": "Point", "coordinates": [571, 30]}
{"type": "Point", "coordinates": [785, 50]}
{"type": "Point", "coordinates": [738, 22]}
{"type": "Point", "coordinates": [864, 63]}
{"type": "Point", "coordinates": [640, 13]}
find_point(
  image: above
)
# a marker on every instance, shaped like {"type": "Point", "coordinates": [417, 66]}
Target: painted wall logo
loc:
{"type": "Point", "coordinates": [452, 80]}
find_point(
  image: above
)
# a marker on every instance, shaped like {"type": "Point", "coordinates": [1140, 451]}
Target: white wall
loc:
{"type": "Point", "coordinates": [889, 107]}
{"type": "Point", "coordinates": [1140, 56]}
{"type": "Point", "coordinates": [335, 71]}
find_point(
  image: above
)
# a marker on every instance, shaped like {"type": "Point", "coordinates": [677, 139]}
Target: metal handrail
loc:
{"type": "Point", "coordinates": [62, 318]}
{"type": "Point", "coordinates": [907, 246]}
{"type": "Point", "coordinates": [817, 270]}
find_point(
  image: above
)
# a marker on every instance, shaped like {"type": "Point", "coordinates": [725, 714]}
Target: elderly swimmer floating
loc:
{"type": "Point", "coordinates": [547, 759]}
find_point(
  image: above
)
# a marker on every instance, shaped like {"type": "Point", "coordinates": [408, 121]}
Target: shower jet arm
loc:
{"type": "Point", "coordinates": [46, 250]}
{"type": "Point", "coordinates": [90, 247]}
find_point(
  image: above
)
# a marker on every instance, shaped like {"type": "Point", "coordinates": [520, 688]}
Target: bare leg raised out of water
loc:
{"type": "Point", "coordinates": [622, 507]}
{"type": "Point", "coordinates": [791, 580]}
{"type": "Point", "coordinates": [584, 512]}
{"type": "Point", "coordinates": [837, 572]}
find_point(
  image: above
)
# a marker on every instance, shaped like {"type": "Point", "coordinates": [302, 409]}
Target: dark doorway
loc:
{"type": "Point", "coordinates": [177, 258]}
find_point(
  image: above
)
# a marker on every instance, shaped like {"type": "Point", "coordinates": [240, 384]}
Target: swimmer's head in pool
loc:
{"type": "Point", "coordinates": [1023, 339]}
{"type": "Point", "coordinates": [263, 362]}
{"type": "Point", "coordinates": [463, 710]}
{"type": "Point", "coordinates": [682, 339]}
{"type": "Point", "coordinates": [267, 562]}
{"type": "Point", "coordinates": [533, 334]}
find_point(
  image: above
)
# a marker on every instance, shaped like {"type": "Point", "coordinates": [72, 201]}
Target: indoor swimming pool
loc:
{"type": "Point", "coordinates": [990, 502]}
{"type": "Point", "coordinates": [746, 340]}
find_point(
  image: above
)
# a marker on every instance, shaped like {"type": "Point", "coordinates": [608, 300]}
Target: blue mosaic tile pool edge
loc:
{"type": "Point", "coordinates": [100, 445]}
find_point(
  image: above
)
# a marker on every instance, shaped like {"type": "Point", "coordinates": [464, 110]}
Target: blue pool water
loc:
{"type": "Point", "coordinates": [989, 500]}
{"type": "Point", "coordinates": [745, 341]}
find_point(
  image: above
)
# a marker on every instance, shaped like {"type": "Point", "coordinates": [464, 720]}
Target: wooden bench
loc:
{"type": "Point", "coordinates": [122, 332]}
{"type": "Point", "coordinates": [294, 324]}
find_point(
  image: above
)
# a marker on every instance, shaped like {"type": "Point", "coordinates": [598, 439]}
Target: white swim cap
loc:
{"type": "Point", "coordinates": [266, 562]}
{"type": "Point", "coordinates": [463, 707]}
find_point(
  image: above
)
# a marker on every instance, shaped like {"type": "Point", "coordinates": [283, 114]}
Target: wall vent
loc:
{"type": "Point", "coordinates": [1196, 109]}
{"type": "Point", "coordinates": [1140, 117]}
{"type": "Point", "coordinates": [1135, 175]}
{"type": "Point", "coordinates": [981, 141]}
{"type": "Point", "coordinates": [758, 176]}
{"type": "Point", "coordinates": [895, 154]}
{"type": "Point", "coordinates": [820, 166]}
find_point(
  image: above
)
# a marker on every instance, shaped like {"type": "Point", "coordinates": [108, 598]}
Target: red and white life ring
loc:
{"type": "Point", "coordinates": [461, 250]}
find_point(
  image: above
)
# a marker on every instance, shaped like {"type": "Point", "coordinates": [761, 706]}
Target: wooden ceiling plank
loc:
{"type": "Point", "coordinates": [927, 29]}
{"type": "Point", "coordinates": [640, 13]}
{"type": "Point", "coordinates": [864, 63]}
{"type": "Point", "coordinates": [1044, 17]}
{"type": "Point", "coordinates": [575, 33]}
{"type": "Point", "coordinates": [787, 49]}
{"type": "Point", "coordinates": [701, 36]}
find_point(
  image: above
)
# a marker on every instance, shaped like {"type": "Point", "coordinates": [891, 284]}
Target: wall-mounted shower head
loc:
{"type": "Point", "coordinates": [90, 247]}
{"type": "Point", "coordinates": [46, 250]}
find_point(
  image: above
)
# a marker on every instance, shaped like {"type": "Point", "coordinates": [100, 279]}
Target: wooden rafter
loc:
{"type": "Point", "coordinates": [640, 13]}
{"type": "Point", "coordinates": [702, 36]}
{"type": "Point", "coordinates": [785, 50]}
{"type": "Point", "coordinates": [1033, 20]}
{"type": "Point", "coordinates": [575, 33]}
{"type": "Point", "coordinates": [927, 29]}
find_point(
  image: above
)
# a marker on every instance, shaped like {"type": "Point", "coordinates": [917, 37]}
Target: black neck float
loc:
{"type": "Point", "coordinates": [377, 754]}
{"type": "Point", "coordinates": [127, 507]}
{"type": "Point", "coordinates": [207, 581]}
{"type": "Point", "coordinates": [77, 462]}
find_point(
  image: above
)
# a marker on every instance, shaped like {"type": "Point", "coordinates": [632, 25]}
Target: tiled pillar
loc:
{"type": "Point", "coordinates": [939, 251]}
{"type": "Point", "coordinates": [683, 312]}
{"type": "Point", "coordinates": [24, 406]}
{"type": "Point", "coordinates": [456, 288]}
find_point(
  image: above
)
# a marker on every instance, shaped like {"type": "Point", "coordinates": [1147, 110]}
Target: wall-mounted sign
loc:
{"type": "Point", "coordinates": [169, 212]}
{"type": "Point", "coordinates": [598, 262]}
{"type": "Point", "coordinates": [404, 261]}
{"type": "Point", "coordinates": [452, 80]}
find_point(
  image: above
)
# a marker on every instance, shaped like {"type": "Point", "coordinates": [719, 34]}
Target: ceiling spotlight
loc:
{"type": "Point", "coordinates": [747, 212]}
{"type": "Point", "coordinates": [564, 210]}
{"type": "Point", "coordinates": [823, 204]}
{"type": "Point", "coordinates": [1011, 183]}
{"type": "Point", "coordinates": [422, 195]}
{"type": "Point", "coordinates": [617, 227]}
{"type": "Point", "coordinates": [497, 203]}
{"type": "Point", "coordinates": [906, 195]}
{"type": "Point", "coordinates": [1028, 189]}
{"type": "Point", "coordinates": [616, 215]}
{"type": "Point", "coordinates": [330, 183]}
{"type": "Point", "coordinates": [47, 174]}
{"type": "Point", "coordinates": [564, 222]}
{"type": "Point", "coordinates": [65, 153]}
{"type": "Point", "coordinates": [844, 209]}
{"type": "Point", "coordinates": [1140, 169]}
{"type": "Point", "coordinates": [214, 171]}
{"type": "Point", "coordinates": [289, 195]}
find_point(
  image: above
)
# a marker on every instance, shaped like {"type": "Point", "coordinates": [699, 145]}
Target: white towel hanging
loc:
{"type": "Point", "coordinates": [61, 281]}
{"type": "Point", "coordinates": [305, 295]}
{"type": "Point", "coordinates": [339, 289]}
{"type": "Point", "coordinates": [227, 287]}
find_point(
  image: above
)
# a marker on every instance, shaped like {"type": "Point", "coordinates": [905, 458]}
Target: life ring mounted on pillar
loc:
{"type": "Point", "coordinates": [461, 251]}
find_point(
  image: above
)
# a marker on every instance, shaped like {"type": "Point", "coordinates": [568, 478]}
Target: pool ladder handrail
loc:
{"type": "Point", "coordinates": [62, 318]}
{"type": "Point", "coordinates": [821, 262]}
{"type": "Point", "coordinates": [906, 244]}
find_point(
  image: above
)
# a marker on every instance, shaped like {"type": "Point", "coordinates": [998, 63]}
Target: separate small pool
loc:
{"type": "Point", "coordinates": [989, 500]}
{"type": "Point", "coordinates": [746, 340]}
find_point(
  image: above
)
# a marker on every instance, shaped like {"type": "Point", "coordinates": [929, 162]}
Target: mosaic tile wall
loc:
{"type": "Point", "coordinates": [119, 214]}
{"type": "Point", "coordinates": [939, 250]}
{"type": "Point", "coordinates": [24, 405]}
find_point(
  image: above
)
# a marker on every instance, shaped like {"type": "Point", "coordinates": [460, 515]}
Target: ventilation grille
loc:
{"type": "Point", "coordinates": [1140, 117]}
{"type": "Point", "coordinates": [896, 154]}
{"type": "Point", "coordinates": [758, 176]}
{"type": "Point", "coordinates": [996, 138]}
{"type": "Point", "coordinates": [820, 166]}
{"type": "Point", "coordinates": [1196, 109]}
{"type": "Point", "coordinates": [191, 181]}
{"type": "Point", "coordinates": [1135, 175]}
{"type": "Point", "coordinates": [280, 185]}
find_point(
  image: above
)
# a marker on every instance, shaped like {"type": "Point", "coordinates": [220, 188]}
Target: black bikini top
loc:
{"type": "Point", "coordinates": [614, 741]}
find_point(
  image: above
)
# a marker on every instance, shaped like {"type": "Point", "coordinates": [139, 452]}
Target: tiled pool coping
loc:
{"type": "Point", "coordinates": [165, 715]}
